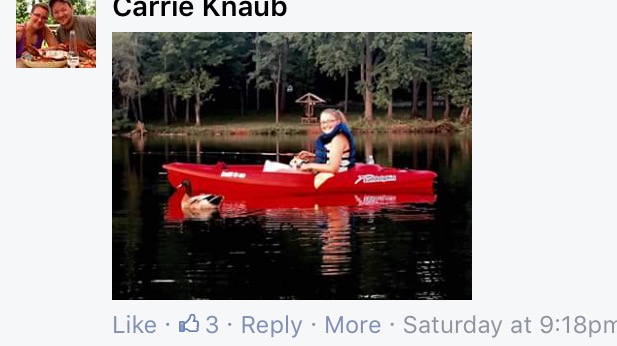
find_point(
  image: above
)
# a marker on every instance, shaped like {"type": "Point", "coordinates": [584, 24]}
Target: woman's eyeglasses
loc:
{"type": "Point", "coordinates": [40, 16]}
{"type": "Point", "coordinates": [328, 121]}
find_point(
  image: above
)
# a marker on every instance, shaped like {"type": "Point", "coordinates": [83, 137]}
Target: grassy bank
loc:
{"type": "Point", "coordinates": [290, 124]}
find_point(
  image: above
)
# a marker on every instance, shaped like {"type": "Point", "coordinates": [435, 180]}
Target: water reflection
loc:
{"type": "Point", "coordinates": [329, 221]}
{"type": "Point", "coordinates": [420, 152]}
{"type": "Point", "coordinates": [336, 242]}
{"type": "Point", "coordinates": [362, 204]}
{"type": "Point", "coordinates": [337, 247]}
{"type": "Point", "coordinates": [139, 142]}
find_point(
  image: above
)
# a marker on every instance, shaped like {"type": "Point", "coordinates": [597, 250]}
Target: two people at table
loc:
{"type": "Point", "coordinates": [35, 31]}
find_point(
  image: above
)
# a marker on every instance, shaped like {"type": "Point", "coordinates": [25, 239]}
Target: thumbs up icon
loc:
{"type": "Point", "coordinates": [190, 325]}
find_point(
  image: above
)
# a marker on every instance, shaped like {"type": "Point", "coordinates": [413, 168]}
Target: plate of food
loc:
{"type": "Point", "coordinates": [43, 63]}
{"type": "Point", "coordinates": [55, 54]}
{"type": "Point", "coordinates": [86, 63]}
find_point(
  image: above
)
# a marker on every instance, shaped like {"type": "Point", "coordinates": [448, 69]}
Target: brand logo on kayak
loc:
{"type": "Point", "coordinates": [233, 175]}
{"type": "Point", "coordinates": [375, 200]}
{"type": "Point", "coordinates": [371, 178]}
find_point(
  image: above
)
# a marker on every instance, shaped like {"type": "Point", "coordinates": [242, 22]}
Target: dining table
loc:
{"type": "Point", "coordinates": [20, 64]}
{"type": "Point", "coordinates": [83, 63]}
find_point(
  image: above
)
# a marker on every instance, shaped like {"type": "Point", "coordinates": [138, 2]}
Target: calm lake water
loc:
{"type": "Point", "coordinates": [375, 247]}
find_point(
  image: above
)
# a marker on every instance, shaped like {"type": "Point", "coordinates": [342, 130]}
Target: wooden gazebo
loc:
{"type": "Point", "coordinates": [309, 100]}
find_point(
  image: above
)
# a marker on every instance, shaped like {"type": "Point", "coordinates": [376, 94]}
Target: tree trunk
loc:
{"type": "Point", "coordinates": [141, 113]}
{"type": "Point", "coordinates": [125, 103]}
{"type": "Point", "coordinates": [465, 117]}
{"type": "Point", "coordinates": [246, 90]}
{"type": "Point", "coordinates": [135, 115]}
{"type": "Point", "coordinates": [256, 70]}
{"type": "Point", "coordinates": [368, 82]}
{"type": "Point", "coordinates": [429, 86]}
{"type": "Point", "coordinates": [277, 84]}
{"type": "Point", "coordinates": [362, 68]}
{"type": "Point", "coordinates": [139, 86]}
{"type": "Point", "coordinates": [446, 109]}
{"type": "Point", "coordinates": [276, 101]}
{"type": "Point", "coordinates": [415, 90]}
{"type": "Point", "coordinates": [390, 111]}
{"type": "Point", "coordinates": [429, 101]}
{"type": "Point", "coordinates": [242, 102]}
{"type": "Point", "coordinates": [165, 116]}
{"type": "Point", "coordinates": [346, 92]}
{"type": "Point", "coordinates": [283, 100]}
{"type": "Point", "coordinates": [197, 110]}
{"type": "Point", "coordinates": [173, 108]}
{"type": "Point", "coordinates": [186, 112]}
{"type": "Point", "coordinates": [257, 98]}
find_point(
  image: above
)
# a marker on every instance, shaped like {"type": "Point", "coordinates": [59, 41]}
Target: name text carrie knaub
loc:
{"type": "Point", "coordinates": [211, 8]}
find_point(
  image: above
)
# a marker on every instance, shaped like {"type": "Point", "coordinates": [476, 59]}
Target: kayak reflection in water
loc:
{"type": "Point", "coordinates": [335, 148]}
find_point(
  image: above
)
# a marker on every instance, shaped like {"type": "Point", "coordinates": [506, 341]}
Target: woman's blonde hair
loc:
{"type": "Point", "coordinates": [336, 114]}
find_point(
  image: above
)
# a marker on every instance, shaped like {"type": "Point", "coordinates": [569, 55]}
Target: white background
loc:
{"type": "Point", "coordinates": [543, 182]}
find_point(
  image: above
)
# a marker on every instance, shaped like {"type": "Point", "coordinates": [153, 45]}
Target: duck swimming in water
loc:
{"type": "Point", "coordinates": [198, 202]}
{"type": "Point", "coordinates": [201, 214]}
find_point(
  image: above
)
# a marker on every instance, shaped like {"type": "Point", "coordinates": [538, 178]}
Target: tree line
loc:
{"type": "Point", "coordinates": [22, 7]}
{"type": "Point", "coordinates": [188, 68]}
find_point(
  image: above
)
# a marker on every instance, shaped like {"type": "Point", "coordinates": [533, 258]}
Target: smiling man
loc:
{"type": "Point", "coordinates": [84, 26]}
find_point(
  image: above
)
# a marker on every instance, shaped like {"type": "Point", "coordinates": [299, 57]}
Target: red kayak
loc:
{"type": "Point", "coordinates": [246, 180]}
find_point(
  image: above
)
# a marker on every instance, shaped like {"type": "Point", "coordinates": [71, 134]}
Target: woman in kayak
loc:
{"type": "Point", "coordinates": [335, 148]}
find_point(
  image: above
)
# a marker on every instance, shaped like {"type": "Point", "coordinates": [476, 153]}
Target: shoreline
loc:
{"type": "Point", "coordinates": [416, 126]}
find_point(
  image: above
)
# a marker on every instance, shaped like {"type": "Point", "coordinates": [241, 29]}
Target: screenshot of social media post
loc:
{"type": "Point", "coordinates": [292, 165]}
{"type": "Point", "coordinates": [289, 173]}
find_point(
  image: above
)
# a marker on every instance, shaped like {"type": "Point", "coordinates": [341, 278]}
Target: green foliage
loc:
{"type": "Point", "coordinates": [397, 62]}
{"type": "Point", "coordinates": [196, 54]}
{"type": "Point", "coordinates": [21, 9]}
{"type": "Point", "coordinates": [270, 58]}
{"type": "Point", "coordinates": [191, 65]}
{"type": "Point", "coordinates": [80, 7]}
{"type": "Point", "coordinates": [301, 72]}
{"type": "Point", "coordinates": [125, 63]}
{"type": "Point", "coordinates": [447, 61]}
{"type": "Point", "coordinates": [451, 68]}
{"type": "Point", "coordinates": [201, 83]}
{"type": "Point", "coordinates": [158, 62]}
{"type": "Point", "coordinates": [238, 67]}
{"type": "Point", "coordinates": [336, 53]}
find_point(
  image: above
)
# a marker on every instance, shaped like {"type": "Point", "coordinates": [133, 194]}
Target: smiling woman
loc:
{"type": "Point", "coordinates": [335, 148]}
{"type": "Point", "coordinates": [139, 8]}
{"type": "Point", "coordinates": [31, 35]}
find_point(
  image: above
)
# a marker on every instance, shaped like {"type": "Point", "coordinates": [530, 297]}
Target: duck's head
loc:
{"type": "Point", "coordinates": [187, 186]}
